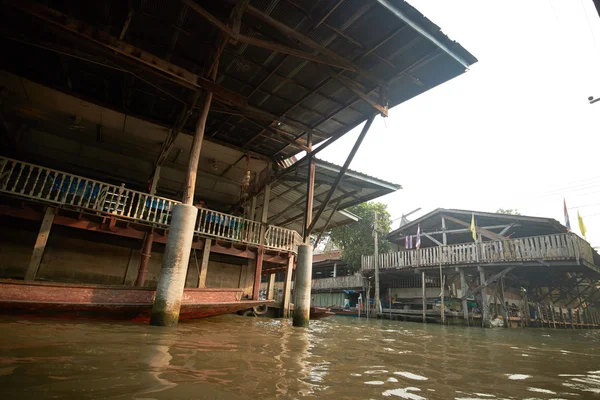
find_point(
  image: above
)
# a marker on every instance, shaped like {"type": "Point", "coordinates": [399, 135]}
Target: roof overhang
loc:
{"type": "Point", "coordinates": [288, 195]}
{"type": "Point", "coordinates": [431, 224]}
{"type": "Point", "coordinates": [293, 67]}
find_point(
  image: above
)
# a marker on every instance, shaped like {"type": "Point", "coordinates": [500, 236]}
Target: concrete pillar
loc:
{"type": "Point", "coordinates": [204, 263]}
{"type": "Point", "coordinates": [271, 286]}
{"type": "Point", "coordinates": [463, 291]}
{"type": "Point", "coordinates": [144, 259]}
{"type": "Point", "coordinates": [485, 312]}
{"type": "Point", "coordinates": [40, 244]}
{"type": "Point", "coordinates": [165, 311]}
{"type": "Point", "coordinates": [334, 270]}
{"type": "Point", "coordinates": [287, 287]}
{"type": "Point", "coordinates": [258, 274]}
{"type": "Point", "coordinates": [302, 286]}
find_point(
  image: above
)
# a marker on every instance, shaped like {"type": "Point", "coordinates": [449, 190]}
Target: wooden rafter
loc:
{"type": "Point", "coordinates": [327, 58]}
{"type": "Point", "coordinates": [484, 232]}
{"type": "Point", "coordinates": [155, 63]}
{"type": "Point", "coordinates": [289, 32]}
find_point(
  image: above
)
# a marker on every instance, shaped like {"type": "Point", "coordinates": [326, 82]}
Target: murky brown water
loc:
{"type": "Point", "coordinates": [233, 357]}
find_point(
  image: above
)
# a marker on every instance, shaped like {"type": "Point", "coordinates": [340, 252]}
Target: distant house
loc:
{"type": "Point", "coordinates": [520, 266]}
{"type": "Point", "coordinates": [333, 283]}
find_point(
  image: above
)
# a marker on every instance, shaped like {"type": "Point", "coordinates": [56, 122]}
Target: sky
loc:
{"type": "Point", "coordinates": [515, 131]}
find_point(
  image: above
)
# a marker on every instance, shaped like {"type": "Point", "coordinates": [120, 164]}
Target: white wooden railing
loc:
{"type": "Point", "coordinates": [567, 246]}
{"type": "Point", "coordinates": [76, 192]}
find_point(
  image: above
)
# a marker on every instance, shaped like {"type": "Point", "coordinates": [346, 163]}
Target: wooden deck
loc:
{"type": "Point", "coordinates": [64, 190]}
{"type": "Point", "coordinates": [566, 247]}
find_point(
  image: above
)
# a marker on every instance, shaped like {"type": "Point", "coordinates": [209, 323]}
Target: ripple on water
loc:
{"type": "Point", "coordinates": [374, 383]}
{"type": "Point", "coordinates": [404, 393]}
{"type": "Point", "coordinates": [538, 390]}
{"type": "Point", "coordinates": [376, 371]}
{"type": "Point", "coordinates": [517, 377]}
{"type": "Point", "coordinates": [410, 375]}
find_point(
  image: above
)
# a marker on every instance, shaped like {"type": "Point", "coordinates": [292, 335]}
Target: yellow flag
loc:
{"type": "Point", "coordinates": [581, 224]}
{"type": "Point", "coordinates": [473, 229]}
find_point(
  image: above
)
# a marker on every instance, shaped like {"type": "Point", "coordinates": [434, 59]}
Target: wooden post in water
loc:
{"type": "Point", "coordinates": [570, 311]}
{"type": "Point", "coordinates": [562, 318]}
{"type": "Point", "coordinates": [485, 312]}
{"type": "Point", "coordinates": [390, 294]}
{"type": "Point", "coordinates": [506, 316]}
{"type": "Point", "coordinates": [463, 290]}
{"type": "Point", "coordinates": [442, 304]}
{"type": "Point", "coordinates": [145, 255]}
{"type": "Point", "coordinates": [551, 306]}
{"type": "Point", "coordinates": [424, 296]}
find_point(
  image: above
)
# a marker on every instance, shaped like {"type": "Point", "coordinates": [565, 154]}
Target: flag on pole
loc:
{"type": "Point", "coordinates": [473, 228]}
{"type": "Point", "coordinates": [418, 246]}
{"type": "Point", "coordinates": [567, 222]}
{"type": "Point", "coordinates": [408, 242]}
{"type": "Point", "coordinates": [581, 224]}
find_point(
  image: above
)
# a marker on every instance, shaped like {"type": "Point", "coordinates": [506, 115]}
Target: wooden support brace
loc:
{"type": "Point", "coordinates": [40, 244]}
{"type": "Point", "coordinates": [204, 263]}
{"type": "Point", "coordinates": [287, 287]}
{"type": "Point", "coordinates": [484, 284]}
{"type": "Point", "coordinates": [271, 286]}
{"type": "Point", "coordinates": [258, 274]}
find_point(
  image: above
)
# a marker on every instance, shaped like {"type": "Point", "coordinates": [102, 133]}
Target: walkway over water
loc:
{"type": "Point", "coordinates": [546, 249]}
{"type": "Point", "coordinates": [65, 190]}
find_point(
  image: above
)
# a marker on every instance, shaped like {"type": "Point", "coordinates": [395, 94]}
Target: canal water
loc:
{"type": "Point", "coordinates": [232, 357]}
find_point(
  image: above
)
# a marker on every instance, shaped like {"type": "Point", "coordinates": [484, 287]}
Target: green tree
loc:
{"type": "Point", "coordinates": [509, 211]}
{"type": "Point", "coordinates": [357, 239]}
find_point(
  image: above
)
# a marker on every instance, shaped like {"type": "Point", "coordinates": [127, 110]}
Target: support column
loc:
{"type": "Point", "coordinates": [302, 286]}
{"type": "Point", "coordinates": [258, 273]}
{"type": "Point", "coordinates": [169, 291]}
{"type": "Point", "coordinates": [204, 263]}
{"type": "Point", "coordinates": [144, 259]}
{"type": "Point", "coordinates": [334, 270]}
{"type": "Point", "coordinates": [271, 286]}
{"type": "Point", "coordinates": [40, 244]}
{"type": "Point", "coordinates": [485, 313]}
{"type": "Point", "coordinates": [424, 296]}
{"type": "Point", "coordinates": [463, 290]}
{"type": "Point", "coordinates": [287, 287]}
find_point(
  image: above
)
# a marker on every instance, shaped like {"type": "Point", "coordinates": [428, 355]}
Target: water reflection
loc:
{"type": "Point", "coordinates": [232, 357]}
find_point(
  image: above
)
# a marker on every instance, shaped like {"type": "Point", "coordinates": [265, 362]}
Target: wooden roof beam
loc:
{"type": "Point", "coordinates": [325, 58]}
{"type": "Point", "coordinates": [484, 232]}
{"type": "Point", "coordinates": [289, 32]}
{"type": "Point", "coordinates": [107, 41]}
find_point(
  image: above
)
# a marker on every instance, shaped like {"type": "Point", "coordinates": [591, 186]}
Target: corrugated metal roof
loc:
{"type": "Point", "coordinates": [274, 82]}
{"type": "Point", "coordinates": [288, 196]}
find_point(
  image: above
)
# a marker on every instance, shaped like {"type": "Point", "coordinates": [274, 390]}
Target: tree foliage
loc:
{"type": "Point", "coordinates": [357, 239]}
{"type": "Point", "coordinates": [510, 211]}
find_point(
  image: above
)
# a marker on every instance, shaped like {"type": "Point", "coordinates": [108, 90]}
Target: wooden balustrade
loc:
{"type": "Point", "coordinates": [567, 246]}
{"type": "Point", "coordinates": [76, 192]}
